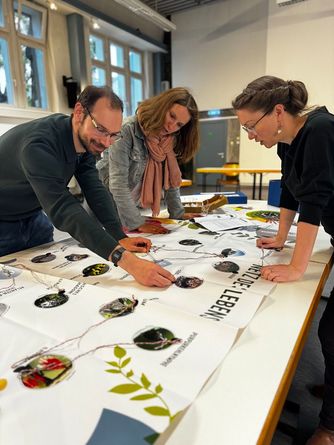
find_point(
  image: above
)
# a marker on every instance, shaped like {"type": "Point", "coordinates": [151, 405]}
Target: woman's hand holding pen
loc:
{"type": "Point", "coordinates": [281, 273]}
{"type": "Point", "coordinates": [275, 242]}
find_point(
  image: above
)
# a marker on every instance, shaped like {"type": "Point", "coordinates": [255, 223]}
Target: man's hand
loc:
{"type": "Point", "coordinates": [280, 273]}
{"type": "Point", "coordinates": [136, 244]}
{"type": "Point", "coordinates": [146, 272]}
{"type": "Point", "coordinates": [152, 228]}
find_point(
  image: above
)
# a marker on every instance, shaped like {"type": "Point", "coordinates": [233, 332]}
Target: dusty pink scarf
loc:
{"type": "Point", "coordinates": [160, 149]}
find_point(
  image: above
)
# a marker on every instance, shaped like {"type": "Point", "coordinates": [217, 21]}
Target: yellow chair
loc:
{"type": "Point", "coordinates": [230, 179]}
{"type": "Point", "coordinates": [186, 183]}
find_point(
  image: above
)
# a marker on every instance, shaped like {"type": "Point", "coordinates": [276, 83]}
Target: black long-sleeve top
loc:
{"type": "Point", "coordinates": [308, 170]}
{"type": "Point", "coordinates": [37, 160]}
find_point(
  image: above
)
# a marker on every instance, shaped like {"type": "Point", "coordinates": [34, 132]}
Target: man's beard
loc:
{"type": "Point", "coordinates": [89, 146]}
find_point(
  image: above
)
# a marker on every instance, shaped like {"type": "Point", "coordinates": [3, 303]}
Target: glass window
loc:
{"type": "Point", "coordinates": [96, 46]}
{"type": "Point", "coordinates": [6, 87]}
{"type": "Point", "coordinates": [2, 17]}
{"type": "Point", "coordinates": [122, 69]}
{"type": "Point", "coordinates": [34, 76]}
{"type": "Point", "coordinates": [116, 55]}
{"type": "Point", "coordinates": [118, 84]}
{"type": "Point", "coordinates": [29, 21]}
{"type": "Point", "coordinates": [98, 76]}
{"type": "Point", "coordinates": [136, 93]}
{"type": "Point", "coordinates": [135, 61]}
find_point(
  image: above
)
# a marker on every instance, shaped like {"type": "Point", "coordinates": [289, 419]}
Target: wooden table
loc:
{"type": "Point", "coordinates": [226, 171]}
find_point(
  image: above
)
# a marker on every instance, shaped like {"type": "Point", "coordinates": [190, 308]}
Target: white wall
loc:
{"type": "Point", "coordinates": [218, 49]}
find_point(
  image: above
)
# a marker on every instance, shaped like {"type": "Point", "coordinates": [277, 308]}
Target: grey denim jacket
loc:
{"type": "Point", "coordinates": [122, 170]}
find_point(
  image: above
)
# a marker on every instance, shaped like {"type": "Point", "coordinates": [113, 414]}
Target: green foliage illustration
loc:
{"type": "Point", "coordinates": [144, 386]}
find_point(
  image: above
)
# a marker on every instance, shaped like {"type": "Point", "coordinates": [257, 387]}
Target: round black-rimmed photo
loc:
{"type": "Point", "coordinates": [44, 371]}
{"type": "Point", "coordinates": [52, 300]}
{"type": "Point", "coordinates": [76, 256]}
{"type": "Point", "coordinates": [118, 308]}
{"type": "Point", "coordinates": [95, 269]}
{"type": "Point", "coordinates": [231, 252]}
{"type": "Point", "coordinates": [189, 242]}
{"type": "Point", "coordinates": [7, 273]}
{"type": "Point", "coordinates": [188, 282]}
{"type": "Point", "coordinates": [226, 266]}
{"type": "Point", "coordinates": [44, 258]}
{"type": "Point", "coordinates": [154, 339]}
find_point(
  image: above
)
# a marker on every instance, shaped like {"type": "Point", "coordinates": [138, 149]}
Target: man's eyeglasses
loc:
{"type": "Point", "coordinates": [252, 129]}
{"type": "Point", "coordinates": [103, 131]}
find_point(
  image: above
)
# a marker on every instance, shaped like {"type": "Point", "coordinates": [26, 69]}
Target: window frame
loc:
{"type": "Point", "coordinates": [43, 12]}
{"type": "Point", "coordinates": [15, 40]}
{"type": "Point", "coordinates": [109, 68]}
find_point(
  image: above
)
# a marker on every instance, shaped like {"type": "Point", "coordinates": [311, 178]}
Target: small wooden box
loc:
{"type": "Point", "coordinates": [205, 206]}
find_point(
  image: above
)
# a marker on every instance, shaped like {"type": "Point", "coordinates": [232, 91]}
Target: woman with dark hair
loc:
{"type": "Point", "coordinates": [144, 162]}
{"type": "Point", "coordinates": [274, 111]}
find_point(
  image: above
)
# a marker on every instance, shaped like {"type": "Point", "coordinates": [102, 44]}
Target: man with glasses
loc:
{"type": "Point", "coordinates": [37, 161]}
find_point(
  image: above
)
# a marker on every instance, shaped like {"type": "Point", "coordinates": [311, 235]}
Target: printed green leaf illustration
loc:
{"type": "Point", "coordinates": [158, 389]}
{"type": "Point", "coordinates": [125, 389]}
{"type": "Point", "coordinates": [143, 397]}
{"type": "Point", "coordinates": [119, 352]}
{"type": "Point", "coordinates": [146, 383]}
{"type": "Point", "coordinates": [144, 386]}
{"type": "Point", "coordinates": [157, 411]}
{"type": "Point", "coordinates": [125, 362]}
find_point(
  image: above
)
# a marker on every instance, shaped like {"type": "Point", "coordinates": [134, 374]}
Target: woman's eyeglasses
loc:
{"type": "Point", "coordinates": [252, 129]}
{"type": "Point", "coordinates": [102, 131]}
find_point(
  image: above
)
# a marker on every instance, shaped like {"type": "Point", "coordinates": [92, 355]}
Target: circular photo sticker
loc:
{"type": "Point", "coordinates": [264, 215]}
{"type": "Point", "coordinates": [52, 300]}
{"type": "Point", "coordinates": [188, 282]}
{"type": "Point", "coordinates": [76, 256]}
{"type": "Point", "coordinates": [44, 258]}
{"type": "Point", "coordinates": [189, 242]}
{"type": "Point", "coordinates": [154, 339]}
{"type": "Point", "coordinates": [7, 273]}
{"type": "Point", "coordinates": [226, 266]}
{"type": "Point", "coordinates": [118, 308]}
{"type": "Point", "coordinates": [231, 252]}
{"type": "Point", "coordinates": [95, 269]}
{"type": "Point", "coordinates": [44, 371]}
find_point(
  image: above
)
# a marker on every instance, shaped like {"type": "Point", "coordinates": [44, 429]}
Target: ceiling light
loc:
{"type": "Point", "coordinates": [53, 6]}
{"type": "Point", "coordinates": [148, 13]}
{"type": "Point", "coordinates": [96, 24]}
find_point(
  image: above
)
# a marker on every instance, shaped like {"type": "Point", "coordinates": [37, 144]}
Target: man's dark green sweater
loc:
{"type": "Point", "coordinates": [37, 160]}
